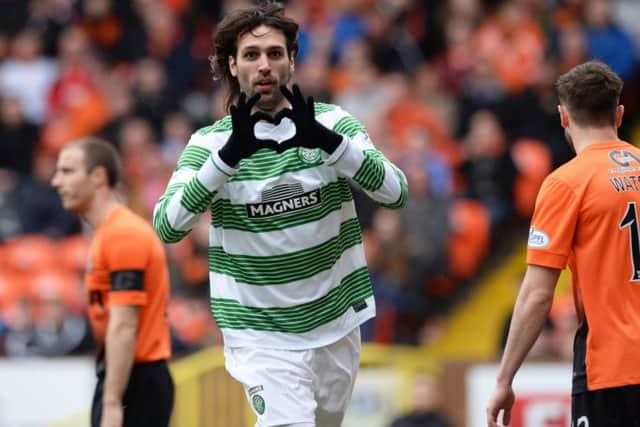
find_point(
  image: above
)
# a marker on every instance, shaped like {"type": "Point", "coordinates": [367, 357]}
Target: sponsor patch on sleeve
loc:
{"type": "Point", "coordinates": [538, 238]}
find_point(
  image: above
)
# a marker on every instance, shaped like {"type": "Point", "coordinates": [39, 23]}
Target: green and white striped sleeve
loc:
{"type": "Point", "coordinates": [192, 187]}
{"type": "Point", "coordinates": [356, 158]}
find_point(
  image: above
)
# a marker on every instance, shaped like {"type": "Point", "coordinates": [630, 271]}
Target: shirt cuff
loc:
{"type": "Point", "coordinates": [546, 259]}
{"type": "Point", "coordinates": [215, 172]}
{"type": "Point", "coordinates": [347, 158]}
{"type": "Point", "coordinates": [127, 298]}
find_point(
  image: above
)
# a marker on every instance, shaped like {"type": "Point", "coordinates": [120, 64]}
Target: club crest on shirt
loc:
{"type": "Point", "coordinates": [258, 404]}
{"type": "Point", "coordinates": [309, 155]}
{"type": "Point", "coordinates": [537, 238]}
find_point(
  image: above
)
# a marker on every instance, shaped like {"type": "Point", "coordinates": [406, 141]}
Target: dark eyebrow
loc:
{"type": "Point", "coordinates": [255, 47]}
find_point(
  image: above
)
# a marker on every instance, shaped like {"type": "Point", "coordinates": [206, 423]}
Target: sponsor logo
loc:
{"type": "Point", "coordinates": [254, 390]}
{"type": "Point", "coordinates": [309, 155]}
{"type": "Point", "coordinates": [538, 238]}
{"type": "Point", "coordinates": [359, 306]}
{"type": "Point", "coordinates": [623, 157]}
{"type": "Point", "coordinates": [258, 404]}
{"type": "Point", "coordinates": [279, 207]}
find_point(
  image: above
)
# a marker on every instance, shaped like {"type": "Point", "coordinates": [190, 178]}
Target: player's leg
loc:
{"type": "Point", "coordinates": [598, 408]}
{"type": "Point", "coordinates": [336, 367]}
{"type": "Point", "coordinates": [277, 383]}
{"type": "Point", "coordinates": [148, 399]}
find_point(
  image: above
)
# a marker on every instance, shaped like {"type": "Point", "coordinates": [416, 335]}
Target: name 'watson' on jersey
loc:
{"type": "Point", "coordinates": [286, 263]}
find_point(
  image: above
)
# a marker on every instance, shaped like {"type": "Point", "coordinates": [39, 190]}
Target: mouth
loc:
{"type": "Point", "coordinates": [265, 85]}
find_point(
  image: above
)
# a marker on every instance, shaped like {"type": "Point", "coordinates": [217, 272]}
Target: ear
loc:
{"type": "Point", "coordinates": [98, 176]}
{"type": "Point", "coordinates": [292, 65]}
{"type": "Point", "coordinates": [233, 67]}
{"type": "Point", "coordinates": [564, 116]}
{"type": "Point", "coordinates": [619, 114]}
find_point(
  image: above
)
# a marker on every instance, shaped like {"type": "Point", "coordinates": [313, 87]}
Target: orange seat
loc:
{"type": "Point", "coordinates": [191, 319]}
{"type": "Point", "coordinates": [469, 239]}
{"type": "Point", "coordinates": [74, 253]}
{"type": "Point", "coordinates": [534, 162]}
{"type": "Point", "coordinates": [12, 287]}
{"type": "Point", "coordinates": [58, 284]}
{"type": "Point", "coordinates": [31, 253]}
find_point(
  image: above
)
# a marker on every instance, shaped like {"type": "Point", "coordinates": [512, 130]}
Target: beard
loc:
{"type": "Point", "coordinates": [270, 105]}
{"type": "Point", "coordinates": [275, 100]}
{"type": "Point", "coordinates": [569, 140]}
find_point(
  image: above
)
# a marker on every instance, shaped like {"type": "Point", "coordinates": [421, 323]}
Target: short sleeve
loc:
{"type": "Point", "coordinates": [553, 225]}
{"type": "Point", "coordinates": [127, 252]}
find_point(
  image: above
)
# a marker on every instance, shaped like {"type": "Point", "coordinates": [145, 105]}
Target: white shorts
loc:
{"type": "Point", "coordinates": [298, 387]}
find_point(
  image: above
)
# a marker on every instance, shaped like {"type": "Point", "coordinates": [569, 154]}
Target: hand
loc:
{"type": "Point", "coordinates": [243, 143]}
{"type": "Point", "coordinates": [501, 399]}
{"type": "Point", "coordinates": [309, 132]}
{"type": "Point", "coordinates": [112, 414]}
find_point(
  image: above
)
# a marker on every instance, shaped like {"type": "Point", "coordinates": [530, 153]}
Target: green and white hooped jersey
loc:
{"type": "Point", "coordinates": [286, 263]}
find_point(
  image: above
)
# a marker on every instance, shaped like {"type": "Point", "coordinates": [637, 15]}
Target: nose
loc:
{"type": "Point", "coordinates": [263, 63]}
{"type": "Point", "coordinates": [55, 181]}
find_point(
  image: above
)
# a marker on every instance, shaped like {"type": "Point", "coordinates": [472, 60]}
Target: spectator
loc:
{"type": "Point", "coordinates": [608, 41]}
{"type": "Point", "coordinates": [426, 401]}
{"type": "Point", "coordinates": [18, 137]}
{"type": "Point", "coordinates": [488, 169]}
{"type": "Point", "coordinates": [28, 76]}
{"type": "Point", "coordinates": [154, 98]}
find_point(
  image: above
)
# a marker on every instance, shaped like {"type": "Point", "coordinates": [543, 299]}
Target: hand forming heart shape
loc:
{"type": "Point", "coordinates": [275, 120]}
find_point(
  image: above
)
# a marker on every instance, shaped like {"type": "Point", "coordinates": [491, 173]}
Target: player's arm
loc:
{"type": "Point", "coordinates": [357, 159]}
{"type": "Point", "coordinates": [530, 312]}
{"type": "Point", "coordinates": [193, 186]}
{"type": "Point", "coordinates": [529, 315]}
{"type": "Point", "coordinates": [120, 348]}
{"type": "Point", "coordinates": [126, 296]}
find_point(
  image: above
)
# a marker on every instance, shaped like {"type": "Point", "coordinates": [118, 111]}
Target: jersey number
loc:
{"type": "Point", "coordinates": [630, 219]}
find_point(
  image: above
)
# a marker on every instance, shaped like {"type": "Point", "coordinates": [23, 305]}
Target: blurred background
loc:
{"type": "Point", "coordinates": [457, 93]}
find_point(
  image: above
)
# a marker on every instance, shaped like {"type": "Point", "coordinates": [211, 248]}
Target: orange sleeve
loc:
{"type": "Point", "coordinates": [553, 225]}
{"type": "Point", "coordinates": [127, 251]}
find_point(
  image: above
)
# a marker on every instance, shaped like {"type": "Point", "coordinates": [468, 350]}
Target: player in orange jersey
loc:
{"type": "Point", "coordinates": [586, 217]}
{"type": "Point", "coordinates": [128, 287]}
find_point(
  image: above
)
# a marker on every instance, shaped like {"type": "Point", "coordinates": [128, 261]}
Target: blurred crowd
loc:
{"type": "Point", "coordinates": [458, 93]}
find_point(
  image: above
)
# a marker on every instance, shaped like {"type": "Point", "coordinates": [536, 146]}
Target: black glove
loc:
{"type": "Point", "coordinates": [309, 132]}
{"type": "Point", "coordinates": [243, 143]}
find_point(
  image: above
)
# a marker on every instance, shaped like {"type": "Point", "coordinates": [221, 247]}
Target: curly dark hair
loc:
{"type": "Point", "coordinates": [238, 23]}
{"type": "Point", "coordinates": [591, 92]}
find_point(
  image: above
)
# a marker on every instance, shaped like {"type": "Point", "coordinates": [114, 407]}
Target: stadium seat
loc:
{"type": "Point", "coordinates": [58, 284]}
{"type": "Point", "coordinates": [31, 253]}
{"type": "Point", "coordinates": [10, 288]}
{"type": "Point", "coordinates": [534, 162]}
{"type": "Point", "coordinates": [74, 253]}
{"type": "Point", "coordinates": [14, 285]}
{"type": "Point", "coordinates": [470, 237]}
{"type": "Point", "coordinates": [190, 319]}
